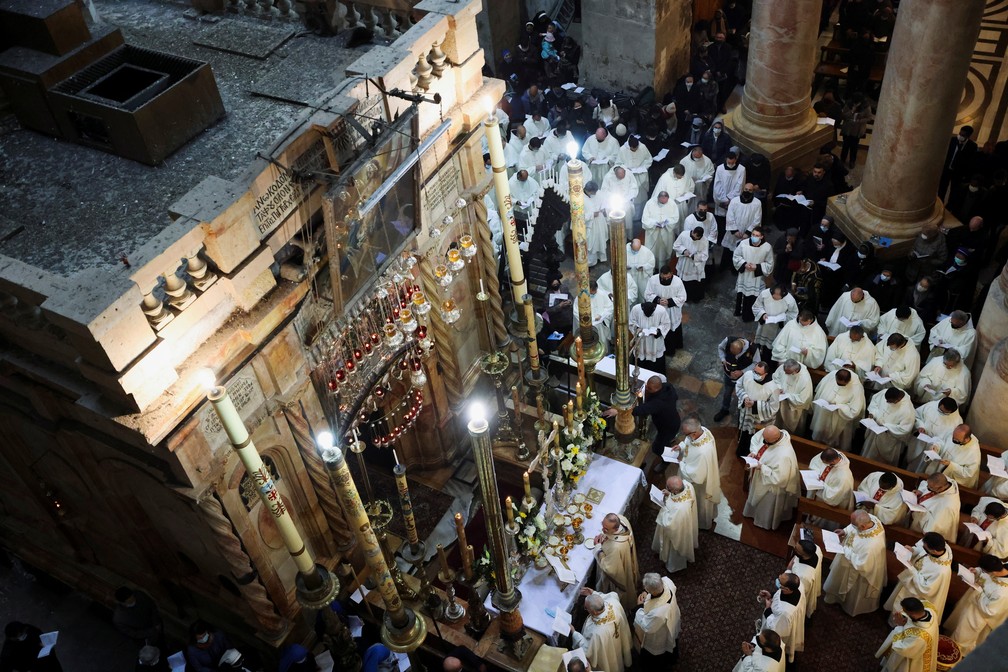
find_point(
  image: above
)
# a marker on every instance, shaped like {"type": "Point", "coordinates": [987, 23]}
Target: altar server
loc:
{"type": "Point", "coordinates": [754, 260]}
{"type": "Point", "coordinates": [692, 248]}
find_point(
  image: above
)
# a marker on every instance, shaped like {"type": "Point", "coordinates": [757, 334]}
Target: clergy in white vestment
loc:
{"type": "Point", "coordinates": [858, 573]}
{"type": "Point", "coordinates": [670, 293]}
{"type": "Point", "coordinates": [997, 486]}
{"type": "Point", "coordinates": [991, 517]}
{"type": "Point", "coordinates": [691, 249]}
{"type": "Point", "coordinates": [955, 331]}
{"type": "Point", "coordinates": [559, 141]}
{"type": "Point", "coordinates": [537, 125]}
{"type": "Point", "coordinates": [893, 410]}
{"type": "Point", "coordinates": [676, 533]}
{"type": "Point", "coordinates": [795, 384]}
{"type": "Point", "coordinates": [775, 485]}
{"type": "Point", "coordinates": [602, 311]}
{"type": "Point", "coordinates": [619, 186]}
{"type": "Point", "coordinates": [729, 178]}
{"type": "Point", "coordinates": [784, 613]}
{"type": "Point", "coordinates": [765, 655]}
{"type": "Point", "coordinates": [534, 158]}
{"type": "Point", "coordinates": [616, 554]}
{"type": "Point", "coordinates": [773, 308]}
{"type": "Point", "coordinates": [743, 214]}
{"type": "Point", "coordinates": [605, 284]}
{"type": "Point", "coordinates": [700, 169]}
{"type": "Point", "coordinates": [851, 350]}
{"type": "Point", "coordinates": [640, 265]}
{"type": "Point", "coordinates": [699, 465]}
{"type": "Point", "coordinates": [944, 376]}
{"type": "Point", "coordinates": [636, 158]}
{"type": "Point", "coordinates": [657, 622]}
{"type": "Point", "coordinates": [936, 420]}
{"type": "Point", "coordinates": [959, 457]}
{"type": "Point", "coordinates": [596, 225]}
{"type": "Point", "coordinates": [608, 640]}
{"type": "Point", "coordinates": [660, 221]}
{"type": "Point", "coordinates": [897, 360]}
{"type": "Point", "coordinates": [754, 261]}
{"type": "Point", "coordinates": [978, 612]}
{"type": "Point", "coordinates": [703, 218]}
{"type": "Point", "coordinates": [801, 339]}
{"type": "Point", "coordinates": [599, 152]}
{"type": "Point", "coordinates": [758, 399]}
{"type": "Point", "coordinates": [854, 307]}
{"type": "Point", "coordinates": [883, 491]}
{"type": "Point", "coordinates": [939, 497]}
{"type": "Point", "coordinates": [524, 193]}
{"type": "Point", "coordinates": [842, 404]}
{"type": "Point", "coordinates": [929, 574]}
{"type": "Point", "coordinates": [807, 565]}
{"type": "Point", "coordinates": [513, 149]}
{"type": "Point", "coordinates": [832, 467]}
{"type": "Point", "coordinates": [902, 320]}
{"type": "Point", "coordinates": [912, 645]}
{"type": "Point", "coordinates": [650, 323]}
{"type": "Point", "coordinates": [680, 188]}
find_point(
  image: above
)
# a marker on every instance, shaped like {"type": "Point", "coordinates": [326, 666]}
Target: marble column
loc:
{"type": "Point", "coordinates": [776, 117]}
{"type": "Point", "coordinates": [990, 401]}
{"type": "Point", "coordinates": [929, 57]}
{"type": "Point", "coordinates": [993, 323]}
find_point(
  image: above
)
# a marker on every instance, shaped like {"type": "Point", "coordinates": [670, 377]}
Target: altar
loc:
{"type": "Point", "coordinates": [540, 588]}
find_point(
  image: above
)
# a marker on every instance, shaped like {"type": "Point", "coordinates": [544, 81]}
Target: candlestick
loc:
{"type": "Point", "coordinates": [533, 347]}
{"type": "Point", "coordinates": [481, 286]}
{"type": "Point", "coordinates": [570, 413]}
{"type": "Point", "coordinates": [460, 533]}
{"type": "Point", "coordinates": [580, 401]}
{"type": "Point", "coordinates": [528, 486]}
{"type": "Point", "coordinates": [556, 432]}
{"type": "Point", "coordinates": [442, 556]}
{"type": "Point", "coordinates": [406, 503]}
{"type": "Point", "coordinates": [510, 511]}
{"type": "Point", "coordinates": [516, 398]}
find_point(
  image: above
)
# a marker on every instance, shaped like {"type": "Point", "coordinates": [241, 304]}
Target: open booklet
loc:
{"type": "Point", "coordinates": [873, 426]}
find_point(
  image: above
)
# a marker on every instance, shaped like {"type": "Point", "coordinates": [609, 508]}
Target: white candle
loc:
{"type": "Point", "coordinates": [395, 457]}
{"type": "Point", "coordinates": [481, 286]}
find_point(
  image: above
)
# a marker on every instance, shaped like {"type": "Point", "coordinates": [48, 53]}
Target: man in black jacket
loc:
{"type": "Point", "coordinates": [817, 188]}
{"type": "Point", "coordinates": [658, 401]}
{"type": "Point", "coordinates": [958, 160]}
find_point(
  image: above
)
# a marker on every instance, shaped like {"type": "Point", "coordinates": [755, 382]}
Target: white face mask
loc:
{"type": "Point", "coordinates": [921, 288]}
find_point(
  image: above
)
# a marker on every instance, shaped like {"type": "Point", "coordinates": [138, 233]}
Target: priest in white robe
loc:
{"type": "Point", "coordinates": [729, 178]}
{"type": "Point", "coordinates": [929, 575]}
{"type": "Point", "coordinates": [955, 331]}
{"type": "Point", "coordinates": [676, 533]}
{"type": "Point", "coordinates": [801, 339]}
{"type": "Point", "coordinates": [936, 420]}
{"type": "Point", "coordinates": [599, 152]}
{"type": "Point", "coordinates": [773, 308]}
{"type": "Point", "coordinates": [680, 188]}
{"type": "Point", "coordinates": [650, 323]}
{"type": "Point", "coordinates": [605, 284]}
{"type": "Point", "coordinates": [959, 457]}
{"type": "Point", "coordinates": [851, 350]}
{"type": "Point", "coordinates": [997, 486]}
{"type": "Point", "coordinates": [670, 293]}
{"type": "Point", "coordinates": [754, 261]}
{"type": "Point", "coordinates": [596, 225]}
{"type": "Point", "coordinates": [795, 383]}
{"type": "Point", "coordinates": [602, 311]}
{"type": "Point", "coordinates": [978, 612]}
{"type": "Point", "coordinates": [765, 653]}
{"type": "Point", "coordinates": [691, 248]}
{"type": "Point", "coordinates": [525, 192]}
{"type": "Point", "coordinates": [657, 622]}
{"type": "Point", "coordinates": [894, 411]}
{"type": "Point", "coordinates": [837, 408]}
{"type": "Point", "coordinates": [902, 320]}
{"type": "Point", "coordinates": [660, 221]}
{"type": "Point", "coordinates": [606, 635]}
{"type": "Point", "coordinates": [784, 613]}
{"type": "Point", "coordinates": [897, 360]}
{"type": "Point", "coordinates": [616, 555]}
{"type": "Point", "coordinates": [559, 143]}
{"type": "Point", "coordinates": [939, 497]}
{"type": "Point", "coordinates": [832, 467]}
{"type": "Point", "coordinates": [513, 149]}
{"type": "Point", "coordinates": [640, 265]}
{"type": "Point", "coordinates": [619, 186]}
{"type": "Point", "coordinates": [775, 482]}
{"type": "Point", "coordinates": [858, 574]}
{"type": "Point", "coordinates": [991, 517]}
{"type": "Point", "coordinates": [882, 496]}
{"type": "Point", "coordinates": [637, 159]}
{"type": "Point", "coordinates": [535, 159]}
{"type": "Point", "coordinates": [912, 645]}
{"type": "Point", "coordinates": [537, 125]}
{"type": "Point", "coordinates": [807, 566]}
{"type": "Point", "coordinates": [854, 307]}
{"type": "Point", "coordinates": [944, 376]}
{"type": "Point", "coordinates": [699, 466]}
{"type": "Point", "coordinates": [700, 169]}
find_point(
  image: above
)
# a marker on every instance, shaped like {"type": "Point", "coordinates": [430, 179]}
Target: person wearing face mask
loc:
{"type": "Point", "coordinates": [856, 307]}
{"type": "Point", "coordinates": [807, 566]}
{"type": "Point", "coordinates": [959, 157]}
{"type": "Point", "coordinates": [536, 125]}
{"type": "Point", "coordinates": [687, 99]}
{"type": "Point", "coordinates": [928, 253]}
{"type": "Point", "coordinates": [753, 260]}
{"type": "Point", "coordinates": [851, 350]}
{"type": "Point", "coordinates": [650, 326]}
{"type": "Point", "coordinates": [897, 360]}
{"type": "Point", "coordinates": [691, 249]}
{"type": "Point", "coordinates": [597, 228]}
{"type": "Point", "coordinates": [205, 648]}
{"type": "Point", "coordinates": [660, 222]}
{"type": "Point", "coordinates": [678, 186]}
{"type": "Point", "coordinates": [602, 311]}
{"type": "Point", "coordinates": [703, 218]}
{"type": "Point", "coordinates": [806, 285]}
{"type": "Point", "coordinates": [729, 179]}
{"type": "Point", "coordinates": [514, 147]}
{"type": "Point", "coordinates": [884, 288]}
{"type": "Point", "coordinates": [773, 308]}
{"type": "Point", "coordinates": [708, 93]}
{"type": "Point", "coordinates": [979, 612]}
{"type": "Point", "coordinates": [929, 576]}
{"type": "Point", "coordinates": [893, 410]}
{"type": "Point", "coordinates": [637, 159]}
{"type": "Point", "coordinates": [936, 420]}
{"type": "Point", "coordinates": [938, 495]}
{"type": "Point", "coordinates": [818, 189]}
{"type": "Point", "coordinates": [837, 409]}
{"type": "Point", "coordinates": [839, 267]}
{"type": "Point", "coordinates": [699, 168]}
{"type": "Point", "coordinates": [758, 402]}
{"type": "Point", "coordinates": [764, 653]}
{"type": "Point", "coordinates": [957, 282]}
{"type": "Point", "coordinates": [21, 647]}
{"type": "Point", "coordinates": [819, 237]}
{"type": "Point", "coordinates": [795, 383]}
{"type": "Point", "coordinates": [599, 152]}
{"type": "Point", "coordinates": [922, 299]}
{"type": "Point", "coordinates": [955, 331]}
{"type": "Point", "coordinates": [620, 184]}
{"type": "Point", "coordinates": [867, 265]}
{"type": "Point", "coordinates": [784, 613]}
{"type": "Point", "coordinates": [534, 159]}
{"type": "Point", "coordinates": [944, 376]}
{"type": "Point", "coordinates": [788, 214]}
{"type": "Point", "coordinates": [858, 573]}
{"type": "Point", "coordinates": [801, 339]}
{"type": "Point", "coordinates": [912, 646]}
{"type": "Point", "coordinates": [959, 457]}
{"type": "Point", "coordinates": [716, 142]}
{"type": "Point", "coordinates": [524, 192]}
{"type": "Point", "coordinates": [669, 293]}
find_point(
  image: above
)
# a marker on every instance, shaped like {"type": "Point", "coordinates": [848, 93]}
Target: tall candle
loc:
{"type": "Point", "coordinates": [467, 567]}
{"type": "Point", "coordinates": [528, 487]}
{"type": "Point", "coordinates": [579, 350]}
{"type": "Point", "coordinates": [443, 558]}
{"type": "Point", "coordinates": [510, 511]}
{"type": "Point", "coordinates": [533, 348]}
{"type": "Point", "coordinates": [556, 433]}
{"type": "Point", "coordinates": [570, 414]}
{"type": "Point", "coordinates": [516, 398]}
{"type": "Point", "coordinates": [407, 504]}
{"type": "Point", "coordinates": [580, 401]}
{"type": "Point", "coordinates": [460, 533]}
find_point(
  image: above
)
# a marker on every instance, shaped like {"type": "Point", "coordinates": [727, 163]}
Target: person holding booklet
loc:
{"type": "Point", "coordinates": [881, 494]}
{"type": "Point", "coordinates": [858, 573]}
{"type": "Point", "coordinates": [958, 457]}
{"type": "Point", "coordinates": [891, 418]}
{"type": "Point", "coordinates": [854, 307]}
{"type": "Point", "coordinates": [928, 572]}
{"type": "Point", "coordinates": [829, 479]}
{"type": "Point", "coordinates": [795, 384]}
{"type": "Point", "coordinates": [934, 506]}
{"type": "Point", "coordinates": [676, 532]}
{"type": "Point", "coordinates": [838, 406]}
{"type": "Point", "coordinates": [981, 609]}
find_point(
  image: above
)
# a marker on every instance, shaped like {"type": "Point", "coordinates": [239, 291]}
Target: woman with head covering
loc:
{"type": "Point", "coordinates": [378, 658]}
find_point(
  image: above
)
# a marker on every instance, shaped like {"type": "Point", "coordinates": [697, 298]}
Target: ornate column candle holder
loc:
{"type": "Point", "coordinates": [454, 612]}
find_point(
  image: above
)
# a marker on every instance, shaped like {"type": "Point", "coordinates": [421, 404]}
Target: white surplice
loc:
{"type": "Point", "coordinates": [928, 580]}
{"type": "Point", "coordinates": [596, 228]}
{"type": "Point", "coordinates": [698, 464]}
{"type": "Point", "coordinates": [676, 533]}
{"type": "Point", "coordinates": [641, 266]}
{"type": "Point", "coordinates": [658, 622]}
{"type": "Point", "coordinates": [912, 327]}
{"type": "Point", "coordinates": [788, 621]}
{"type": "Point", "coordinates": [767, 306]}
{"type": "Point", "coordinates": [740, 218]}
{"type": "Point", "coordinates": [775, 485]}
{"type": "Point", "coordinates": [751, 283]}
{"type": "Point", "coordinates": [727, 185]}
{"type": "Point", "coordinates": [651, 330]}
{"type": "Point", "coordinates": [858, 574]}
{"type": "Point", "coordinates": [811, 580]}
{"type": "Point", "coordinates": [798, 388]}
{"type": "Point", "coordinates": [602, 313]}
{"type": "Point", "coordinates": [676, 188]}
{"type": "Point", "coordinates": [889, 505]}
{"type": "Point", "coordinates": [860, 353]}
{"type": "Point", "coordinates": [794, 338]}
{"type": "Point", "coordinates": [898, 419]}
{"type": "Point", "coordinates": [605, 284]}
{"type": "Point", "coordinates": [935, 381]}
{"type": "Point", "coordinates": [692, 257]}
{"type": "Point", "coordinates": [674, 293]}
{"type": "Point", "coordinates": [836, 428]}
{"type": "Point", "coordinates": [865, 312]}
{"type": "Point", "coordinates": [637, 163]}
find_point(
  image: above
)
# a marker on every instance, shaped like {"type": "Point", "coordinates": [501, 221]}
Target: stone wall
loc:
{"type": "Point", "coordinates": [499, 26]}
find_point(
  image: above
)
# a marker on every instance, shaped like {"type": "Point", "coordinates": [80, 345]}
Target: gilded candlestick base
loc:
{"type": "Point", "coordinates": [522, 453]}
{"type": "Point", "coordinates": [454, 612]}
{"type": "Point", "coordinates": [479, 617]}
{"type": "Point", "coordinates": [528, 503]}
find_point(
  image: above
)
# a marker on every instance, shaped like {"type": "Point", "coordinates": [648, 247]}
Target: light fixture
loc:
{"type": "Point", "coordinates": [455, 261]}
{"type": "Point", "coordinates": [477, 412]}
{"type": "Point", "coordinates": [443, 275]}
{"type": "Point", "coordinates": [420, 303]}
{"type": "Point", "coordinates": [407, 323]}
{"type": "Point", "coordinates": [393, 337]}
{"type": "Point", "coordinates": [450, 311]}
{"type": "Point", "coordinates": [572, 150]}
{"type": "Point", "coordinates": [467, 246]}
{"type": "Point", "coordinates": [206, 379]}
{"type": "Point", "coordinates": [617, 208]}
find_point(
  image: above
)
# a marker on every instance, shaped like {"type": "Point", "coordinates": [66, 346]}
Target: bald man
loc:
{"type": "Point", "coordinates": [606, 636]}
{"type": "Point", "coordinates": [959, 457]}
{"type": "Point", "coordinates": [776, 483]}
{"type": "Point", "coordinates": [676, 532]}
{"type": "Point", "coordinates": [939, 498]}
{"type": "Point", "coordinates": [854, 307]}
{"type": "Point", "coordinates": [858, 573]}
{"type": "Point", "coordinates": [616, 554]}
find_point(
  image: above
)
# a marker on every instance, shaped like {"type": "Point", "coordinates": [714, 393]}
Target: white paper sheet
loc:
{"type": "Point", "coordinates": [831, 542]}
{"type": "Point", "coordinates": [786, 396]}
{"type": "Point", "coordinates": [811, 480]}
{"type": "Point", "coordinates": [687, 145]}
{"type": "Point", "coordinates": [562, 622]}
{"type": "Point", "coordinates": [176, 662]}
{"type": "Point", "coordinates": [903, 554]}
{"type": "Point", "coordinates": [876, 378]}
{"type": "Point", "coordinates": [656, 495]}
{"type": "Point", "coordinates": [826, 121]}
{"type": "Point", "coordinates": [359, 594]}
{"type": "Point", "coordinates": [49, 640]}
{"type": "Point", "coordinates": [324, 661]}
{"type": "Point", "coordinates": [568, 86]}
{"type": "Point", "coordinates": [873, 426]}
{"type": "Point", "coordinates": [843, 320]}
{"type": "Point", "coordinates": [403, 660]}
{"type": "Point", "coordinates": [660, 155]}
{"type": "Point", "coordinates": [996, 466]}
{"type": "Point", "coordinates": [927, 438]}
{"type": "Point", "coordinates": [825, 404]}
{"type": "Point", "coordinates": [557, 297]}
{"type": "Point", "coordinates": [751, 461]}
{"type": "Point", "coordinates": [356, 626]}
{"type": "Point", "coordinates": [980, 533]}
{"type": "Point", "coordinates": [599, 162]}
{"type": "Point", "coordinates": [775, 319]}
{"type": "Point", "coordinates": [910, 499]}
{"type": "Point", "coordinates": [670, 455]}
{"type": "Point", "coordinates": [830, 265]}
{"type": "Point", "coordinates": [860, 498]}
{"type": "Point", "coordinates": [840, 362]}
{"type": "Point", "coordinates": [967, 576]}
{"type": "Point", "coordinates": [795, 349]}
{"type": "Point", "coordinates": [684, 198]}
{"type": "Point", "coordinates": [932, 456]}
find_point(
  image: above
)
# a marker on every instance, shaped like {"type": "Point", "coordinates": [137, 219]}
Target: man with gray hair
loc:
{"type": "Point", "coordinates": [605, 635]}
{"type": "Point", "coordinates": [616, 555]}
{"type": "Point", "coordinates": [699, 465]}
{"type": "Point", "coordinates": [944, 377]}
{"type": "Point", "coordinates": [795, 384]}
{"type": "Point", "coordinates": [676, 533]}
{"type": "Point", "coordinates": [657, 622]}
{"type": "Point", "coordinates": [955, 331]}
{"type": "Point", "coordinates": [858, 573]}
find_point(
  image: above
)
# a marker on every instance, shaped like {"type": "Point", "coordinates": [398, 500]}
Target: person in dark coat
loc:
{"type": "Point", "coordinates": [716, 143]}
{"type": "Point", "coordinates": [818, 189]}
{"type": "Point", "coordinates": [958, 160]}
{"type": "Point", "coordinates": [205, 647]}
{"type": "Point", "coordinates": [867, 265]}
{"type": "Point", "coordinates": [658, 402]}
{"type": "Point", "coordinates": [786, 213]}
{"type": "Point", "coordinates": [21, 647]}
{"type": "Point", "coordinates": [817, 243]}
{"type": "Point", "coordinates": [957, 282]}
{"type": "Point", "coordinates": [836, 280]}
{"type": "Point", "coordinates": [923, 298]}
{"type": "Point", "coordinates": [789, 250]}
{"type": "Point", "coordinates": [884, 288]}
